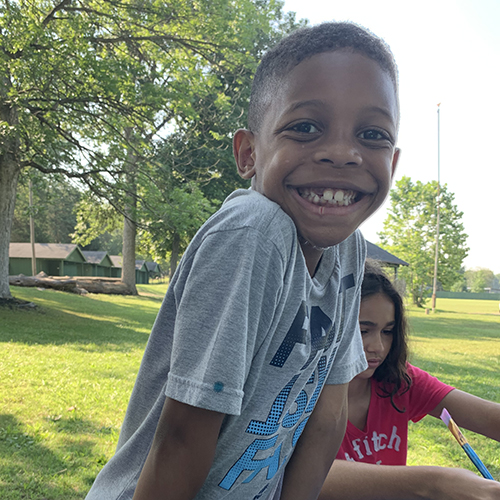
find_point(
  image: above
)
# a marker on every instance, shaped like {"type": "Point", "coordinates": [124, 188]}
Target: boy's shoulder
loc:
{"type": "Point", "coordinates": [250, 204]}
{"type": "Point", "coordinates": [248, 209]}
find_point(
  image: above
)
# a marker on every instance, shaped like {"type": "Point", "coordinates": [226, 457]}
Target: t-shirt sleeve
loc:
{"type": "Point", "coordinates": [426, 393]}
{"type": "Point", "coordinates": [225, 299]}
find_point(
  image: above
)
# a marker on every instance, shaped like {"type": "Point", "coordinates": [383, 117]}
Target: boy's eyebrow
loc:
{"type": "Point", "coordinates": [304, 104]}
{"type": "Point", "coordinates": [320, 104]}
{"type": "Point", "coordinates": [383, 111]}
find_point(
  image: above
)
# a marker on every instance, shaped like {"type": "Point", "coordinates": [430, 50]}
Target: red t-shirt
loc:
{"type": "Point", "coordinates": [385, 438]}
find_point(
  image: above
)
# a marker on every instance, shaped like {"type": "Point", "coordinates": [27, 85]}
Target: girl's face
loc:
{"type": "Point", "coordinates": [377, 323]}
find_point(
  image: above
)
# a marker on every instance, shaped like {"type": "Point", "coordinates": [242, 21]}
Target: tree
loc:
{"type": "Point", "coordinates": [410, 233]}
{"type": "Point", "coordinates": [86, 87]}
{"type": "Point", "coordinates": [479, 278]}
{"type": "Point", "coordinates": [461, 284]}
{"type": "Point", "coordinates": [193, 169]}
{"type": "Point", "coordinates": [54, 201]}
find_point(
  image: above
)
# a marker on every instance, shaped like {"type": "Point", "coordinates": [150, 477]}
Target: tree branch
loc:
{"type": "Point", "coordinates": [54, 11]}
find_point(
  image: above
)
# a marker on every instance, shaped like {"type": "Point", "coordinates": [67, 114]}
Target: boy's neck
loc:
{"type": "Point", "coordinates": [312, 255]}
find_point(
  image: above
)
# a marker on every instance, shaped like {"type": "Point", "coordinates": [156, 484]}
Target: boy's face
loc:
{"type": "Point", "coordinates": [326, 149]}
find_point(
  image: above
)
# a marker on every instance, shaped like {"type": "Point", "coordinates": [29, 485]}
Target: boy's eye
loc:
{"type": "Point", "coordinates": [373, 135]}
{"type": "Point", "coordinates": [304, 128]}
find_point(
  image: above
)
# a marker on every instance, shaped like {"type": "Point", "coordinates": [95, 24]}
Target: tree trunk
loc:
{"type": "Point", "coordinates": [174, 256]}
{"type": "Point", "coordinates": [129, 226]}
{"type": "Point", "coordinates": [128, 253]}
{"type": "Point", "coordinates": [9, 175]}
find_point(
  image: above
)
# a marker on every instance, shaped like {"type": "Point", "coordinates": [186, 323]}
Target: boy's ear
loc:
{"type": "Point", "coordinates": [395, 159]}
{"type": "Point", "coordinates": [244, 153]}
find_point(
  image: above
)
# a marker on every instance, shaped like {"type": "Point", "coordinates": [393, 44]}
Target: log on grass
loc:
{"type": "Point", "coordinates": [64, 285]}
{"type": "Point", "coordinates": [72, 285]}
{"type": "Point", "coordinates": [102, 286]}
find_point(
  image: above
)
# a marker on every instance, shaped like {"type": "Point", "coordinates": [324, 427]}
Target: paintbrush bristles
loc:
{"type": "Point", "coordinates": [445, 416]}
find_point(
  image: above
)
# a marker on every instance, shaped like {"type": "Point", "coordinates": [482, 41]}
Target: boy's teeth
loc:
{"type": "Point", "coordinates": [328, 196]}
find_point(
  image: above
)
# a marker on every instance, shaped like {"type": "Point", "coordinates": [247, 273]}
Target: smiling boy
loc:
{"type": "Point", "coordinates": [242, 390]}
{"type": "Point", "coordinates": [336, 109]}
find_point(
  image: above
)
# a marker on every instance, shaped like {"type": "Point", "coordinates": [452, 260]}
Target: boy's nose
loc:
{"type": "Point", "coordinates": [339, 153]}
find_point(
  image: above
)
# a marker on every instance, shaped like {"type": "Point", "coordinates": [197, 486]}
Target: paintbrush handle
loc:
{"type": "Point", "coordinates": [477, 461]}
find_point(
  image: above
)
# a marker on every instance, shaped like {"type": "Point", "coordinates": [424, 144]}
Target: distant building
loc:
{"type": "Point", "coordinates": [386, 258]}
{"type": "Point", "coordinates": [101, 264]}
{"type": "Point", "coordinates": [54, 259]}
{"type": "Point", "coordinates": [141, 271]}
{"type": "Point", "coordinates": [66, 259]}
{"type": "Point", "coordinates": [154, 270]}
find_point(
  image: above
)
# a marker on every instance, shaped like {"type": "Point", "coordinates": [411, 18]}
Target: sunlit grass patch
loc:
{"type": "Point", "coordinates": [460, 344]}
{"type": "Point", "coordinates": [68, 369]}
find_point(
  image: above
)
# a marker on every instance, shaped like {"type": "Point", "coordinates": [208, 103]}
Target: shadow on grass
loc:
{"type": "Point", "coordinates": [479, 380]}
{"type": "Point", "coordinates": [70, 319]}
{"type": "Point", "coordinates": [31, 470]}
{"type": "Point", "coordinates": [451, 328]}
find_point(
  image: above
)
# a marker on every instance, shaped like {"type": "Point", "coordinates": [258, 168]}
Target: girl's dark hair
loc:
{"type": "Point", "coordinates": [392, 373]}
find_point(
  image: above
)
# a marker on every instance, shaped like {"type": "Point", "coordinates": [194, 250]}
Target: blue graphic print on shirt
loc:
{"type": "Point", "coordinates": [316, 324]}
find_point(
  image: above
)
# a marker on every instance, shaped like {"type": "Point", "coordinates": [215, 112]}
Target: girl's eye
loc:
{"type": "Point", "coordinates": [304, 128]}
{"type": "Point", "coordinates": [388, 332]}
{"type": "Point", "coordinates": [374, 135]}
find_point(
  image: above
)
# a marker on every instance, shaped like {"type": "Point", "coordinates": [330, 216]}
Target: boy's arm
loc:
{"type": "Point", "coordinates": [470, 412]}
{"type": "Point", "coordinates": [317, 446]}
{"type": "Point", "coordinates": [181, 454]}
{"type": "Point", "coordinates": [358, 481]}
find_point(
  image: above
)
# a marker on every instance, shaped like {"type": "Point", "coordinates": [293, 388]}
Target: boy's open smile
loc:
{"type": "Point", "coordinates": [328, 196]}
{"type": "Point", "coordinates": [325, 151]}
{"type": "Point", "coordinates": [327, 201]}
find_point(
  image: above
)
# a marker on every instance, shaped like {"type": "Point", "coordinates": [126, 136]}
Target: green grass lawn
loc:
{"type": "Point", "coordinates": [460, 344]}
{"type": "Point", "coordinates": [67, 370]}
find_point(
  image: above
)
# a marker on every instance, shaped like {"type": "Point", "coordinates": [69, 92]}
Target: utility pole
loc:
{"type": "Point", "coordinates": [32, 232]}
{"type": "Point", "coordinates": [438, 203]}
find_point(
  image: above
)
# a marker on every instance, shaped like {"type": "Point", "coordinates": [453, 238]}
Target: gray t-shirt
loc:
{"type": "Point", "coordinates": [244, 330]}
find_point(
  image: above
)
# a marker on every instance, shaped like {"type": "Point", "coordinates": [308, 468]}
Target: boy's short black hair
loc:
{"type": "Point", "coordinates": [305, 43]}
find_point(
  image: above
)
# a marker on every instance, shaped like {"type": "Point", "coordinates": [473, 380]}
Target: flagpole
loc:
{"type": "Point", "coordinates": [438, 203]}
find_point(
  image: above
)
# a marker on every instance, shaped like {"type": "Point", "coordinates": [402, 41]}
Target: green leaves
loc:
{"type": "Point", "coordinates": [85, 86]}
{"type": "Point", "coordinates": [479, 280]}
{"type": "Point", "coordinates": [77, 74]}
{"type": "Point", "coordinates": [410, 233]}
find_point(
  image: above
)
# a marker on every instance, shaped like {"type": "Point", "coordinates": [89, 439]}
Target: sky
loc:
{"type": "Point", "coordinates": [448, 52]}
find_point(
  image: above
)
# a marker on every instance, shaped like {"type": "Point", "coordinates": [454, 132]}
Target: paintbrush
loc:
{"type": "Point", "coordinates": [446, 418]}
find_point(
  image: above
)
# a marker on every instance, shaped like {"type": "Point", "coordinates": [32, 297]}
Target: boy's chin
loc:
{"type": "Point", "coordinates": [323, 242]}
